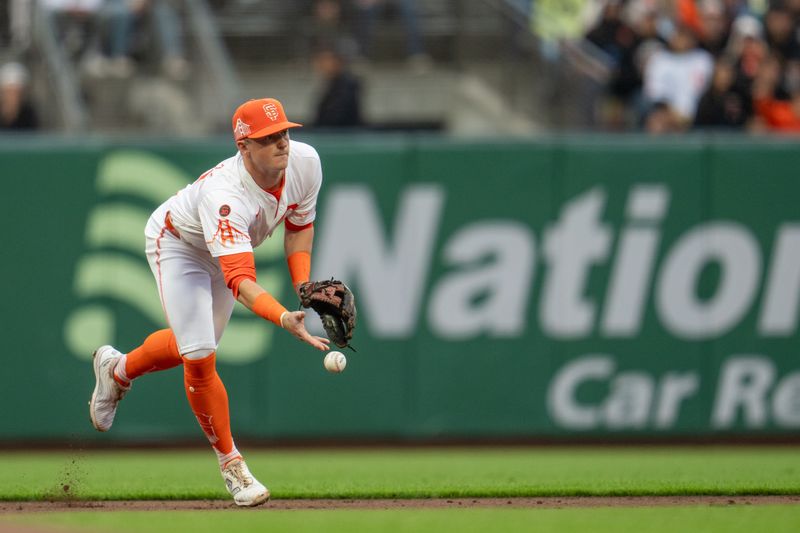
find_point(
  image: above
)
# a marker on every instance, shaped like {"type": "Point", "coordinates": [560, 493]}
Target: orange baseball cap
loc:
{"type": "Point", "coordinates": [259, 118]}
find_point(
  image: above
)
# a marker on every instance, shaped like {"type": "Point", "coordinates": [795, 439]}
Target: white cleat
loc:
{"type": "Point", "coordinates": [107, 392]}
{"type": "Point", "coordinates": [245, 489]}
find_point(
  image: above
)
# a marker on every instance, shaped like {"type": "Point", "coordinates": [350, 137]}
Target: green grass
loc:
{"type": "Point", "coordinates": [407, 473]}
{"type": "Point", "coordinates": [774, 519]}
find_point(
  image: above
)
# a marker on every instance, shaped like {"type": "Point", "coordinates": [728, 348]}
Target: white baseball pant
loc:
{"type": "Point", "coordinates": [196, 302]}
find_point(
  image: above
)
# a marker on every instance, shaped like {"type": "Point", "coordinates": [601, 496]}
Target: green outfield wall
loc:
{"type": "Point", "coordinates": [561, 287]}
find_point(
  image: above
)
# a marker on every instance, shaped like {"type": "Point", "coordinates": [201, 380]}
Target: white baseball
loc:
{"type": "Point", "coordinates": [335, 362]}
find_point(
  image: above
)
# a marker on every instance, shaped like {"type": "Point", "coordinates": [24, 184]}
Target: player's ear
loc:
{"type": "Point", "coordinates": [241, 145]}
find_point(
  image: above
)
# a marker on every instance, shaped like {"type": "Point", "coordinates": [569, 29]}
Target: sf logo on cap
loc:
{"type": "Point", "coordinates": [271, 111]}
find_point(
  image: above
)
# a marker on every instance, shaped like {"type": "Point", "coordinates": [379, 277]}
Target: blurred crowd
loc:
{"type": "Point", "coordinates": [103, 37]}
{"type": "Point", "coordinates": [114, 37]}
{"type": "Point", "coordinates": [98, 39]}
{"type": "Point", "coordinates": [357, 20]}
{"type": "Point", "coordinates": [682, 65]}
{"type": "Point", "coordinates": [674, 65]}
{"type": "Point", "coordinates": [116, 40]}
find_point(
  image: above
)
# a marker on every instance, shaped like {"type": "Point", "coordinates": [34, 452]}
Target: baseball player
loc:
{"type": "Point", "coordinates": [199, 244]}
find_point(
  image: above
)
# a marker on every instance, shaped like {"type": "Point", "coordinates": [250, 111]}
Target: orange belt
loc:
{"type": "Point", "coordinates": [170, 227]}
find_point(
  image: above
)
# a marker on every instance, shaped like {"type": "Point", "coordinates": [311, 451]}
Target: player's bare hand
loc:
{"type": "Point", "coordinates": [294, 323]}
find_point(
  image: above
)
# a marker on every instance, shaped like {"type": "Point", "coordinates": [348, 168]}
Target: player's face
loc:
{"type": "Point", "coordinates": [270, 153]}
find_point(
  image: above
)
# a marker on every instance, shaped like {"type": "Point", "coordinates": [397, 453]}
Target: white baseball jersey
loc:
{"type": "Point", "coordinates": [678, 79]}
{"type": "Point", "coordinates": [225, 212]}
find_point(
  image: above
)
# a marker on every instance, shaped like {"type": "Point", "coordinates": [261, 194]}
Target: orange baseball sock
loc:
{"type": "Point", "coordinates": [209, 402]}
{"type": "Point", "coordinates": [159, 351]}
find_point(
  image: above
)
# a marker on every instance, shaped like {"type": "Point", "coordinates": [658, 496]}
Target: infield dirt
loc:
{"type": "Point", "coordinates": [434, 503]}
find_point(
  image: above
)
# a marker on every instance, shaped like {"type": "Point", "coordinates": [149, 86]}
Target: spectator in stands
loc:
{"type": "Point", "coordinates": [327, 23]}
{"type": "Point", "coordinates": [776, 114]}
{"type": "Point", "coordinates": [367, 13]}
{"type": "Point", "coordinates": [646, 21]}
{"type": "Point", "coordinates": [723, 106]}
{"type": "Point", "coordinates": [715, 24]}
{"type": "Point", "coordinates": [339, 105]}
{"type": "Point", "coordinates": [687, 14]}
{"type": "Point", "coordinates": [781, 32]}
{"type": "Point", "coordinates": [76, 24]}
{"type": "Point", "coordinates": [793, 6]}
{"type": "Point", "coordinates": [556, 21]}
{"type": "Point", "coordinates": [620, 42]}
{"type": "Point", "coordinates": [106, 35]}
{"type": "Point", "coordinates": [133, 24]}
{"type": "Point", "coordinates": [16, 111]}
{"type": "Point", "coordinates": [113, 55]}
{"type": "Point", "coordinates": [94, 33]}
{"type": "Point", "coordinates": [747, 49]}
{"type": "Point", "coordinates": [661, 119]}
{"type": "Point", "coordinates": [20, 13]}
{"type": "Point", "coordinates": [679, 76]}
{"type": "Point", "coordinates": [611, 34]}
{"type": "Point", "coordinates": [168, 31]}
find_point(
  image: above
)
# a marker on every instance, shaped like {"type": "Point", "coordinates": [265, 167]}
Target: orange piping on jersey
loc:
{"type": "Point", "coordinates": [299, 267]}
{"type": "Point", "coordinates": [289, 225]}
{"type": "Point", "coordinates": [266, 306]}
{"type": "Point", "coordinates": [294, 227]}
{"type": "Point", "coordinates": [158, 269]}
{"type": "Point", "coordinates": [170, 226]}
{"type": "Point", "coordinates": [236, 268]}
{"type": "Point", "coordinates": [208, 172]}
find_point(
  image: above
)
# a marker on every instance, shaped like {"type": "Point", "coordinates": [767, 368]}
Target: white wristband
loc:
{"type": "Point", "coordinates": [281, 319]}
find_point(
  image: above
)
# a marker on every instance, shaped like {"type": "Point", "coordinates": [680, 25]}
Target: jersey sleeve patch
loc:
{"type": "Point", "coordinates": [228, 235]}
{"type": "Point", "coordinates": [226, 222]}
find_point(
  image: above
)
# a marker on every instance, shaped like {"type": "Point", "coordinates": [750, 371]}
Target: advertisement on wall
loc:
{"type": "Point", "coordinates": [504, 290]}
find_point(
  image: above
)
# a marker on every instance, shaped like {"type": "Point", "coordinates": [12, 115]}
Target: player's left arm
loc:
{"type": "Point", "coordinates": [258, 300]}
{"type": "Point", "coordinates": [240, 276]}
{"type": "Point", "coordinates": [297, 245]}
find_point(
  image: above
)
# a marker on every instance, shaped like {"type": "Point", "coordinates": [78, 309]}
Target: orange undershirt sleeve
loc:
{"type": "Point", "coordinates": [299, 267]}
{"type": "Point", "coordinates": [237, 268]}
{"type": "Point", "coordinates": [266, 306]}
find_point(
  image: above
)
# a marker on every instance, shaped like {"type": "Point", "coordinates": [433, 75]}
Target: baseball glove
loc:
{"type": "Point", "coordinates": [335, 305]}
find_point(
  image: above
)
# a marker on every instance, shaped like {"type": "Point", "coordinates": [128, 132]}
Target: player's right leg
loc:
{"type": "Point", "coordinates": [114, 371]}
